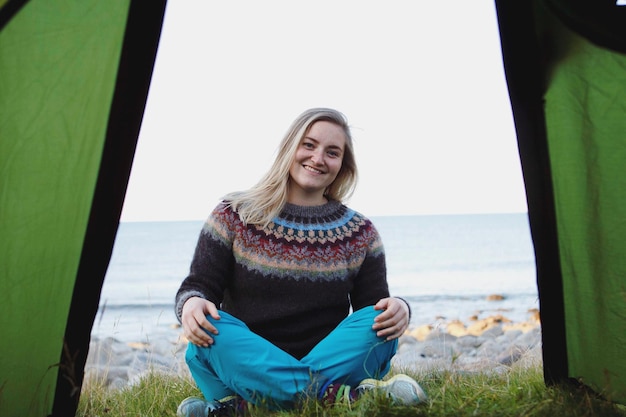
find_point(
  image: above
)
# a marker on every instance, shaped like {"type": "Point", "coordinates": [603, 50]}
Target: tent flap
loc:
{"type": "Point", "coordinates": [567, 83]}
{"type": "Point", "coordinates": [585, 107]}
{"type": "Point", "coordinates": [138, 54]}
{"type": "Point", "coordinates": [67, 87]}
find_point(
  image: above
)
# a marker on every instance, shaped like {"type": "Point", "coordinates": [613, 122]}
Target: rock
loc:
{"type": "Point", "coordinates": [110, 375]}
{"type": "Point", "coordinates": [529, 339]}
{"type": "Point", "coordinates": [456, 328]}
{"type": "Point", "coordinates": [495, 297]}
{"type": "Point", "coordinates": [469, 342]}
{"type": "Point", "coordinates": [535, 316]}
{"type": "Point", "coordinates": [138, 345]}
{"type": "Point", "coordinates": [532, 357]}
{"type": "Point", "coordinates": [494, 331]}
{"type": "Point", "coordinates": [407, 339]}
{"type": "Point", "coordinates": [421, 332]}
{"type": "Point", "coordinates": [509, 356]}
{"type": "Point", "coordinates": [510, 335]}
{"type": "Point", "coordinates": [441, 336]}
{"type": "Point", "coordinates": [107, 351]}
{"type": "Point", "coordinates": [413, 360]}
{"type": "Point", "coordinates": [490, 345]}
{"type": "Point", "coordinates": [523, 327]}
{"type": "Point", "coordinates": [479, 327]}
{"type": "Point", "coordinates": [116, 364]}
{"type": "Point", "coordinates": [491, 349]}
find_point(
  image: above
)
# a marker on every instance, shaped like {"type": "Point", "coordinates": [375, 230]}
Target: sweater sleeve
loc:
{"type": "Point", "coordinates": [212, 263]}
{"type": "Point", "coordinates": [371, 281]}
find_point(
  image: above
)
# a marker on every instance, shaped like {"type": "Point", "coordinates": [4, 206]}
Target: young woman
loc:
{"type": "Point", "coordinates": [287, 295]}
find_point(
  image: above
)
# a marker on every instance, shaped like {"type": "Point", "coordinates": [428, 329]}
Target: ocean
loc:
{"type": "Point", "coordinates": [445, 266]}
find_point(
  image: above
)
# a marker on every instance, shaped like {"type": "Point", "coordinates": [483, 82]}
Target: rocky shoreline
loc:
{"type": "Point", "coordinates": [485, 345]}
{"type": "Point", "coordinates": [490, 344]}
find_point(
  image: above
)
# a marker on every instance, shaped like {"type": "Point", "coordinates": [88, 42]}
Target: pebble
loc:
{"type": "Point", "coordinates": [491, 344]}
{"type": "Point", "coordinates": [485, 345]}
{"type": "Point", "coordinates": [117, 364]}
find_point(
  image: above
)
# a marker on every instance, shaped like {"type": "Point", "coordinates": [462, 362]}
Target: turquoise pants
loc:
{"type": "Point", "coordinates": [242, 362]}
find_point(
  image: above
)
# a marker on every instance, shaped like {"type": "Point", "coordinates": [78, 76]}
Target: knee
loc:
{"type": "Point", "coordinates": [227, 324]}
{"type": "Point", "coordinates": [191, 354]}
{"type": "Point", "coordinates": [226, 318]}
{"type": "Point", "coordinates": [367, 314]}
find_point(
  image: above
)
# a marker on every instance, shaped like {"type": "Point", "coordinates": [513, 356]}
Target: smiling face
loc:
{"type": "Point", "coordinates": [316, 163]}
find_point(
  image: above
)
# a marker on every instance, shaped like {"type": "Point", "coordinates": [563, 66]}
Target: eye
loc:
{"type": "Point", "coordinates": [308, 145]}
{"type": "Point", "coordinates": [334, 154]}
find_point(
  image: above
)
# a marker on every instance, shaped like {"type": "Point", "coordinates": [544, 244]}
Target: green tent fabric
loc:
{"type": "Point", "coordinates": [566, 69]}
{"type": "Point", "coordinates": [74, 78]}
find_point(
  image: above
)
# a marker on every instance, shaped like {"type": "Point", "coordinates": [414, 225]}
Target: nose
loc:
{"type": "Point", "coordinates": [317, 157]}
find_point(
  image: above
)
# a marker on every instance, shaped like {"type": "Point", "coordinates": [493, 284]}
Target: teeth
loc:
{"type": "Point", "coordinates": [308, 168]}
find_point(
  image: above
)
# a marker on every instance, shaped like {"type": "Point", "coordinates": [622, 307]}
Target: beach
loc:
{"type": "Point", "coordinates": [469, 280]}
{"type": "Point", "coordinates": [490, 344]}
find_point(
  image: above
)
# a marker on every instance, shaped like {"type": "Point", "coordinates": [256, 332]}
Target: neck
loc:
{"type": "Point", "coordinates": [306, 200]}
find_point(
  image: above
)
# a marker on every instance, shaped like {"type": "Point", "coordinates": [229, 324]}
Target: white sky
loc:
{"type": "Point", "coordinates": [421, 83]}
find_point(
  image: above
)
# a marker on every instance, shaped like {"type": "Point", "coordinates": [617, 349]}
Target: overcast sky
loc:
{"type": "Point", "coordinates": [421, 83]}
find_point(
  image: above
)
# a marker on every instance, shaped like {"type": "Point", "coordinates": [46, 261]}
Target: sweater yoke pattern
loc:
{"type": "Point", "coordinates": [315, 245]}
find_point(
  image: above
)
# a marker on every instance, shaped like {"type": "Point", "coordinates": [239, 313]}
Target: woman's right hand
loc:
{"type": "Point", "coordinates": [195, 323]}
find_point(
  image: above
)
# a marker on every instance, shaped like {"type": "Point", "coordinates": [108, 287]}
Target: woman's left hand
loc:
{"type": "Point", "coordinates": [394, 320]}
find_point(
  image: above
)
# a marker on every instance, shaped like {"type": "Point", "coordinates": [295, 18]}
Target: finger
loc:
{"type": "Point", "coordinates": [394, 306]}
{"type": "Point", "coordinates": [382, 317]}
{"type": "Point", "coordinates": [388, 324]}
{"type": "Point", "coordinates": [195, 333]}
{"type": "Point", "coordinates": [204, 323]}
{"type": "Point", "coordinates": [200, 337]}
{"type": "Point", "coordinates": [391, 333]}
{"type": "Point", "coordinates": [382, 304]}
{"type": "Point", "coordinates": [213, 312]}
{"type": "Point", "coordinates": [203, 340]}
{"type": "Point", "coordinates": [385, 329]}
{"type": "Point", "coordinates": [195, 338]}
{"type": "Point", "coordinates": [392, 328]}
{"type": "Point", "coordinates": [388, 317]}
{"type": "Point", "coordinates": [383, 322]}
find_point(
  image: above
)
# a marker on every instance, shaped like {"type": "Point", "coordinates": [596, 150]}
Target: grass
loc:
{"type": "Point", "coordinates": [516, 392]}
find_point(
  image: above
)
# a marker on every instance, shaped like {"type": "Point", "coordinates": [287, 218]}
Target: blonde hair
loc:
{"type": "Point", "coordinates": [264, 201]}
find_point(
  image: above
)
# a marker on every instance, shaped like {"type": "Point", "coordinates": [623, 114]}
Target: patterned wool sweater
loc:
{"type": "Point", "coordinates": [293, 281]}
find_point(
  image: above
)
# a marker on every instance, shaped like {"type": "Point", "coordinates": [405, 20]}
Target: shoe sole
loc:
{"type": "Point", "coordinates": [401, 388]}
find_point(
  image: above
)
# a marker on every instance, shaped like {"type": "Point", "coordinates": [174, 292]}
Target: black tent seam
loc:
{"type": "Point", "coordinates": [524, 77]}
{"type": "Point", "coordinates": [9, 10]}
{"type": "Point", "coordinates": [143, 30]}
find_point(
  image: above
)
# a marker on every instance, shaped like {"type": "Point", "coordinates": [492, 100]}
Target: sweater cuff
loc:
{"type": "Point", "coordinates": [407, 305]}
{"type": "Point", "coordinates": [181, 299]}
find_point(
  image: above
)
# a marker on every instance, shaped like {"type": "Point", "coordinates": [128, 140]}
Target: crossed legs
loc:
{"type": "Point", "coordinates": [243, 363]}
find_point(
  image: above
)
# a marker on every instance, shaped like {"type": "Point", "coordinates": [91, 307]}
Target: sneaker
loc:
{"type": "Point", "coordinates": [401, 388]}
{"type": "Point", "coordinates": [338, 394]}
{"type": "Point", "coordinates": [198, 407]}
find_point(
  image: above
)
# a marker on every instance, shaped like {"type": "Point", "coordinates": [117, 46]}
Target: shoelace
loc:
{"type": "Point", "coordinates": [230, 407]}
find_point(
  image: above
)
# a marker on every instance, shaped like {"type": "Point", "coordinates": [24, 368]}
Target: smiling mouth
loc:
{"type": "Point", "coordinates": [311, 169]}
